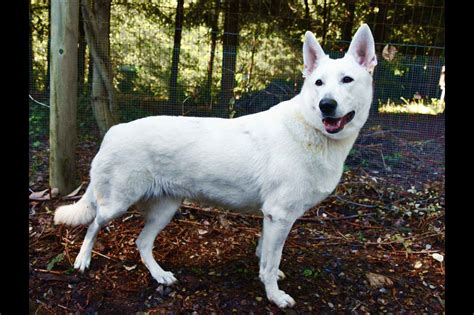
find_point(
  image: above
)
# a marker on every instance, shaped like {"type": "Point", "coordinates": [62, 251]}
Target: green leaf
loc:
{"type": "Point", "coordinates": [54, 261]}
{"type": "Point", "coordinates": [70, 271]}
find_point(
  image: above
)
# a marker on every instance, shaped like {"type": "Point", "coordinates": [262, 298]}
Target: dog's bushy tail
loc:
{"type": "Point", "coordinates": [81, 212]}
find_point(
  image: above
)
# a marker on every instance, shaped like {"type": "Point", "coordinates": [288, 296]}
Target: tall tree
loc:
{"type": "Point", "coordinates": [326, 18]}
{"type": "Point", "coordinates": [307, 18]}
{"type": "Point", "coordinates": [350, 6]}
{"type": "Point", "coordinates": [379, 23]}
{"type": "Point", "coordinates": [97, 37]}
{"type": "Point", "coordinates": [229, 55]}
{"type": "Point", "coordinates": [63, 95]}
{"type": "Point", "coordinates": [210, 65]}
{"type": "Point", "coordinates": [30, 51]}
{"type": "Point", "coordinates": [253, 50]}
{"type": "Point", "coordinates": [173, 97]}
{"type": "Point", "coordinates": [48, 69]}
{"type": "Point", "coordinates": [90, 72]}
{"type": "Point", "coordinates": [81, 56]}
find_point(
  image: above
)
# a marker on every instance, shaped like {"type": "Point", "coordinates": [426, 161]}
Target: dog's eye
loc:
{"type": "Point", "coordinates": [347, 79]}
{"type": "Point", "coordinates": [319, 82]}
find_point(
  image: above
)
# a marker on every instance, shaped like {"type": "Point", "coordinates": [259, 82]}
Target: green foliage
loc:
{"type": "Point", "coordinates": [38, 123]}
{"type": "Point", "coordinates": [393, 159]}
{"type": "Point", "coordinates": [310, 273]}
{"type": "Point", "coordinates": [54, 261]}
{"type": "Point", "coordinates": [270, 38]}
{"type": "Point", "coordinates": [405, 241]}
{"type": "Point", "coordinates": [40, 33]}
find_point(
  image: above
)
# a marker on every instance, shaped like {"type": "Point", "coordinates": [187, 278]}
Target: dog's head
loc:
{"type": "Point", "coordinates": [337, 93]}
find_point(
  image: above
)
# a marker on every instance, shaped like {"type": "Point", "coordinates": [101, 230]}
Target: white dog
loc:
{"type": "Point", "coordinates": [281, 162]}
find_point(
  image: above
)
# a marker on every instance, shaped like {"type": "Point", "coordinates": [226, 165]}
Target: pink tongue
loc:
{"type": "Point", "coordinates": [331, 125]}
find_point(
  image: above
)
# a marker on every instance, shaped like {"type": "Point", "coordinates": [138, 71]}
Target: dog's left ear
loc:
{"type": "Point", "coordinates": [362, 48]}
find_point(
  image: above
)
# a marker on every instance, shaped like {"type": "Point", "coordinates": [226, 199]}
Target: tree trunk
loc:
{"type": "Point", "coordinates": [210, 65]}
{"type": "Point", "coordinates": [379, 24]}
{"type": "Point", "coordinates": [63, 96]}
{"type": "Point", "coordinates": [173, 97]}
{"type": "Point", "coordinates": [349, 20]}
{"type": "Point", "coordinates": [97, 36]}
{"type": "Point", "coordinates": [229, 56]}
{"type": "Point", "coordinates": [32, 85]}
{"type": "Point", "coordinates": [377, 21]}
{"type": "Point", "coordinates": [306, 16]}
{"type": "Point", "coordinates": [90, 72]}
{"type": "Point", "coordinates": [252, 58]}
{"type": "Point", "coordinates": [48, 69]}
{"type": "Point", "coordinates": [326, 18]}
{"type": "Point", "coordinates": [81, 57]}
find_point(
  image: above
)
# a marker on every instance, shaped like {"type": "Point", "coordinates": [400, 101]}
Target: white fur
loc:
{"type": "Point", "coordinates": [82, 212]}
{"type": "Point", "coordinates": [281, 162]}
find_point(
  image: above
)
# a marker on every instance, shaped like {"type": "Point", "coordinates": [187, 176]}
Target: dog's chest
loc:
{"type": "Point", "coordinates": [323, 173]}
{"type": "Point", "coordinates": [320, 168]}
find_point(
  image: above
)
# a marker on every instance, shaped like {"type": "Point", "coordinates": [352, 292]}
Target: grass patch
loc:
{"type": "Point", "coordinates": [414, 106]}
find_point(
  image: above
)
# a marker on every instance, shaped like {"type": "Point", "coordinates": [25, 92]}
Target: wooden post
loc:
{"type": "Point", "coordinates": [63, 95]}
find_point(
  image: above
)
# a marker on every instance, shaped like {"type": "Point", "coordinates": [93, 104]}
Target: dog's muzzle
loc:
{"type": "Point", "coordinates": [334, 125]}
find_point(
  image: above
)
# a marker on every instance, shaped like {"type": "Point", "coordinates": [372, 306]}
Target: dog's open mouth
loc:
{"type": "Point", "coordinates": [334, 125]}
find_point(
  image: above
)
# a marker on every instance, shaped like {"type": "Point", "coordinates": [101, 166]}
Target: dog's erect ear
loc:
{"type": "Point", "coordinates": [362, 48]}
{"type": "Point", "coordinates": [312, 53]}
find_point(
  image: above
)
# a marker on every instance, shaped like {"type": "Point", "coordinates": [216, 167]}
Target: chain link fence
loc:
{"type": "Point", "coordinates": [233, 58]}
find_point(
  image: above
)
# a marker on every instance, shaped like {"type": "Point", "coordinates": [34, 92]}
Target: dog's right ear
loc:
{"type": "Point", "coordinates": [312, 53]}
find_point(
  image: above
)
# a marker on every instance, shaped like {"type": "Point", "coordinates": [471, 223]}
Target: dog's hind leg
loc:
{"type": "Point", "coordinates": [258, 253]}
{"type": "Point", "coordinates": [105, 213]}
{"type": "Point", "coordinates": [158, 213]}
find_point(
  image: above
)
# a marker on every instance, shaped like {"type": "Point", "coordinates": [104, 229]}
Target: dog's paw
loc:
{"type": "Point", "coordinates": [281, 275]}
{"type": "Point", "coordinates": [82, 262]}
{"type": "Point", "coordinates": [165, 277]}
{"type": "Point", "coordinates": [282, 299]}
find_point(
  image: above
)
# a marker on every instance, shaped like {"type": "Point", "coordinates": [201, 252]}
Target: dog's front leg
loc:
{"type": "Point", "coordinates": [258, 253]}
{"type": "Point", "coordinates": [275, 231]}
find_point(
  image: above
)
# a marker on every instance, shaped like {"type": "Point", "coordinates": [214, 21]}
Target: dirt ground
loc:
{"type": "Point", "coordinates": [375, 245]}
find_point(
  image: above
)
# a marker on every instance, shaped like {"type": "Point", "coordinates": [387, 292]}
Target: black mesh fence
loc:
{"type": "Point", "coordinates": [233, 58]}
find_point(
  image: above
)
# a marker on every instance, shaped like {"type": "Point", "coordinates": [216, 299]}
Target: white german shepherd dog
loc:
{"type": "Point", "coordinates": [280, 162]}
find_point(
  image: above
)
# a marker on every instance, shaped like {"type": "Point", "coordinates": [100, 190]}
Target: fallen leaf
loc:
{"type": "Point", "coordinates": [130, 268]}
{"type": "Point", "coordinates": [40, 195]}
{"type": "Point", "coordinates": [377, 281]}
{"type": "Point", "coordinates": [75, 192]}
{"type": "Point", "coordinates": [54, 261]}
{"type": "Point", "coordinates": [202, 232]}
{"type": "Point", "coordinates": [223, 221]}
{"type": "Point", "coordinates": [418, 265]}
{"type": "Point", "coordinates": [438, 257]}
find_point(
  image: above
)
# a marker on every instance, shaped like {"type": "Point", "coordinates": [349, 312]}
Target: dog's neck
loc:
{"type": "Point", "coordinates": [307, 134]}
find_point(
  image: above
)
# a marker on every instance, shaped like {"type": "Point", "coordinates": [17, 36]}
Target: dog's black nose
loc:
{"type": "Point", "coordinates": [328, 106]}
